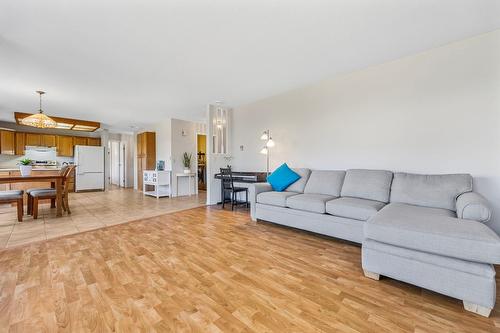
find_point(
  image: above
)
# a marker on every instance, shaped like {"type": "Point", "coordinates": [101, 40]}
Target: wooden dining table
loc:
{"type": "Point", "coordinates": [55, 181]}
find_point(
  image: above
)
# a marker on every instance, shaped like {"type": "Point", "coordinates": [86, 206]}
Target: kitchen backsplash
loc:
{"type": "Point", "coordinates": [11, 161]}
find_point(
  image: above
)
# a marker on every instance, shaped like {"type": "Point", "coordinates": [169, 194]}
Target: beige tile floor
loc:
{"type": "Point", "coordinates": [91, 210]}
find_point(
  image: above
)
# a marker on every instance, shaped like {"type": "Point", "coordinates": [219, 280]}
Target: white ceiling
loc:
{"type": "Point", "coordinates": [126, 62]}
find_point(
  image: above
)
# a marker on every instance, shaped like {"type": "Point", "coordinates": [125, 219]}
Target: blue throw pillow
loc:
{"type": "Point", "coordinates": [282, 177]}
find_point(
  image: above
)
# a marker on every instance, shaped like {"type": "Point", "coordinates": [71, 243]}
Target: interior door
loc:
{"type": "Point", "coordinates": [122, 163]}
{"type": "Point", "coordinates": [115, 163]}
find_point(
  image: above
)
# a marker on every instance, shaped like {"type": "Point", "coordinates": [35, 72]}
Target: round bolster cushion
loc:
{"type": "Point", "coordinates": [473, 206]}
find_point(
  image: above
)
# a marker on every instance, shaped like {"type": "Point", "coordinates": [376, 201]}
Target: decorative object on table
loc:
{"type": "Point", "coordinates": [282, 177]}
{"type": "Point", "coordinates": [160, 165]}
{"type": "Point", "coordinates": [186, 161]}
{"type": "Point", "coordinates": [266, 136]}
{"type": "Point", "coordinates": [39, 120]}
{"type": "Point", "coordinates": [25, 166]}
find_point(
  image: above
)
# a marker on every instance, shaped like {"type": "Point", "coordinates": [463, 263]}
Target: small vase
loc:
{"type": "Point", "coordinates": [25, 170]}
{"type": "Point", "coordinates": [187, 170]}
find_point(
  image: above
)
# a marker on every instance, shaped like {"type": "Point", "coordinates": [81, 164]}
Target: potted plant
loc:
{"type": "Point", "coordinates": [186, 161]}
{"type": "Point", "coordinates": [25, 166]}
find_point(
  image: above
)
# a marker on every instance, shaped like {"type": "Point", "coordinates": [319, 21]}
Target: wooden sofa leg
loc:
{"type": "Point", "coordinates": [20, 208]}
{"type": "Point", "coordinates": [477, 309]}
{"type": "Point", "coordinates": [371, 275]}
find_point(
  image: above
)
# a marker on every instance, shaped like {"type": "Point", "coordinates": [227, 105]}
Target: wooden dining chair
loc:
{"type": "Point", "coordinates": [228, 187]}
{"type": "Point", "coordinates": [14, 196]}
{"type": "Point", "coordinates": [36, 195]}
{"type": "Point", "coordinates": [62, 172]}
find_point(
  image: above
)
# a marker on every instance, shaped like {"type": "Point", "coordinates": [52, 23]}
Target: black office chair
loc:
{"type": "Point", "coordinates": [228, 187]}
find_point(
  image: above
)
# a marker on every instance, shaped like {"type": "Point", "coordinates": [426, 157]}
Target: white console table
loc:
{"type": "Point", "coordinates": [161, 180]}
{"type": "Point", "coordinates": [189, 176]}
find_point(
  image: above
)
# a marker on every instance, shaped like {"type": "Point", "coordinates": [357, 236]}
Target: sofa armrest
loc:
{"type": "Point", "coordinates": [255, 189]}
{"type": "Point", "coordinates": [473, 206]}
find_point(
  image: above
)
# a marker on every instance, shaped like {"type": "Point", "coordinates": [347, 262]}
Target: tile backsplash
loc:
{"type": "Point", "coordinates": [11, 161]}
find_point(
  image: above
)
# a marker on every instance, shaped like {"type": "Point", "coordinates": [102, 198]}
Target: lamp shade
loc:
{"type": "Point", "coordinates": [39, 120]}
{"type": "Point", "coordinates": [264, 151]}
{"type": "Point", "coordinates": [264, 136]}
{"type": "Point", "coordinates": [270, 143]}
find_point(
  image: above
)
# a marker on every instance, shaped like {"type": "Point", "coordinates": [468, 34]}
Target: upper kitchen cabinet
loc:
{"type": "Point", "coordinates": [7, 142]}
{"type": "Point", "coordinates": [20, 143]}
{"type": "Point", "coordinates": [93, 141]}
{"type": "Point", "coordinates": [33, 139]}
{"type": "Point", "coordinates": [79, 141]}
{"type": "Point", "coordinates": [47, 140]}
{"type": "Point", "coordinates": [64, 145]}
{"type": "Point", "coordinates": [146, 154]}
{"type": "Point", "coordinates": [146, 144]}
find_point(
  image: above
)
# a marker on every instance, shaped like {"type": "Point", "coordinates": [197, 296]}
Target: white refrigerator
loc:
{"type": "Point", "coordinates": [89, 174]}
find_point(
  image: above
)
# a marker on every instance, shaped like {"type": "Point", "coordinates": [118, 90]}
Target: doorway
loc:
{"type": "Point", "coordinates": [117, 164]}
{"type": "Point", "coordinates": [201, 149]}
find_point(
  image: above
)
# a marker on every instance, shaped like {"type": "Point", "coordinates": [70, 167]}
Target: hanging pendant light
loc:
{"type": "Point", "coordinates": [39, 120]}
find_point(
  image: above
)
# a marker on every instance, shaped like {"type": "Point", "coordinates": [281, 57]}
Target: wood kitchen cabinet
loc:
{"type": "Point", "coordinates": [14, 143]}
{"type": "Point", "coordinates": [20, 143]}
{"type": "Point", "coordinates": [33, 139]}
{"type": "Point", "coordinates": [64, 145]}
{"type": "Point", "coordinates": [93, 141]}
{"type": "Point", "coordinates": [146, 154]}
{"type": "Point", "coordinates": [7, 142]}
{"type": "Point", "coordinates": [47, 140]}
{"type": "Point", "coordinates": [79, 141]}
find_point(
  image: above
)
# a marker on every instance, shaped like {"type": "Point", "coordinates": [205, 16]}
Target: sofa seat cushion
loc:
{"type": "Point", "coordinates": [274, 198]}
{"type": "Point", "coordinates": [354, 208]}
{"type": "Point", "coordinates": [435, 231]}
{"type": "Point", "coordinates": [309, 202]}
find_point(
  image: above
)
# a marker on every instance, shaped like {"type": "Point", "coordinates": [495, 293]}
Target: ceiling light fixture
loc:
{"type": "Point", "coordinates": [39, 120]}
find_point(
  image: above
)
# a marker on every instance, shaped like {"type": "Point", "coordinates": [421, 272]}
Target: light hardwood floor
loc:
{"type": "Point", "coordinates": [209, 270]}
{"type": "Point", "coordinates": [89, 210]}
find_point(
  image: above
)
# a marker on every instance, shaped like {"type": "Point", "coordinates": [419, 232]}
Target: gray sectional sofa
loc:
{"type": "Point", "coordinates": [427, 230]}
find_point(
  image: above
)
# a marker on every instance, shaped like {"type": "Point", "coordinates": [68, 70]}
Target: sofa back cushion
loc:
{"type": "Point", "coordinates": [437, 191]}
{"type": "Point", "coordinates": [367, 184]}
{"type": "Point", "coordinates": [300, 184]}
{"type": "Point", "coordinates": [325, 182]}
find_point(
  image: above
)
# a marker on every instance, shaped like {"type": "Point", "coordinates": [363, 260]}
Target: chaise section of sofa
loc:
{"type": "Point", "coordinates": [427, 230]}
{"type": "Point", "coordinates": [418, 238]}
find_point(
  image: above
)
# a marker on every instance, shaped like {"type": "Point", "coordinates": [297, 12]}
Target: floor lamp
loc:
{"type": "Point", "coordinates": [266, 136]}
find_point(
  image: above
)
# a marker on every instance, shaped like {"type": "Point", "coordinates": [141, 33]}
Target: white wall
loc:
{"type": "Point", "coordinates": [163, 130]}
{"type": "Point", "coordinates": [434, 112]}
{"type": "Point", "coordinates": [171, 145]}
{"type": "Point", "coordinates": [180, 144]}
